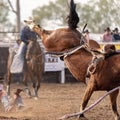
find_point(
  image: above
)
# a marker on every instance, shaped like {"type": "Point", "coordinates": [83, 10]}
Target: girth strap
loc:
{"type": "Point", "coordinates": [93, 64]}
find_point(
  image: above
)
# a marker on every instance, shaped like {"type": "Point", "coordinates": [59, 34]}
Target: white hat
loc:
{"type": "Point", "coordinates": [1, 87]}
{"type": "Point", "coordinates": [29, 20]}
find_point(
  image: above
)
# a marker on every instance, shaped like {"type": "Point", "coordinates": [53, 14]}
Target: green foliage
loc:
{"type": "Point", "coordinates": [53, 11]}
{"type": "Point", "coordinates": [3, 12]}
{"type": "Point", "coordinates": [98, 14]}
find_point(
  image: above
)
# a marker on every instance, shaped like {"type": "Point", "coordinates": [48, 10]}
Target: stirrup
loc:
{"type": "Point", "coordinates": [92, 68]}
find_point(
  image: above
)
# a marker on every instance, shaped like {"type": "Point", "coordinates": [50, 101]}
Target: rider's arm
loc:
{"type": "Point", "coordinates": [23, 35]}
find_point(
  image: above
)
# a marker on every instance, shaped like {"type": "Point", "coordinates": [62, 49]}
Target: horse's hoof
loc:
{"type": "Point", "coordinates": [117, 118]}
{"type": "Point", "coordinates": [36, 98]}
{"type": "Point", "coordinates": [82, 117]}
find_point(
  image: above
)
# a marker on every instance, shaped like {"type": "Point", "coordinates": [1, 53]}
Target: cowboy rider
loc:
{"type": "Point", "coordinates": [26, 35]}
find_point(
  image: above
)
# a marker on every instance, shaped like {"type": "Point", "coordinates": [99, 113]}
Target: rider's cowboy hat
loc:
{"type": "Point", "coordinates": [29, 20]}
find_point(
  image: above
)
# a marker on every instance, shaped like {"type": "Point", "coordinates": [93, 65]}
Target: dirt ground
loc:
{"type": "Point", "coordinates": [56, 100]}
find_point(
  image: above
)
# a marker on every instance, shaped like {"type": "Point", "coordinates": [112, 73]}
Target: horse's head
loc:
{"type": "Point", "coordinates": [109, 48]}
{"type": "Point", "coordinates": [38, 29]}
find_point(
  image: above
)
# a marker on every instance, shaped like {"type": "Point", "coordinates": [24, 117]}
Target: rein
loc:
{"type": "Point", "coordinates": [68, 52]}
{"type": "Point", "coordinates": [90, 107]}
{"type": "Point", "coordinates": [97, 56]}
{"type": "Point", "coordinates": [39, 55]}
{"type": "Point", "coordinates": [34, 56]}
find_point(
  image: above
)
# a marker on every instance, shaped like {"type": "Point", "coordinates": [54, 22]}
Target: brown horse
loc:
{"type": "Point", "coordinates": [107, 74]}
{"type": "Point", "coordinates": [106, 77]}
{"type": "Point", "coordinates": [33, 67]}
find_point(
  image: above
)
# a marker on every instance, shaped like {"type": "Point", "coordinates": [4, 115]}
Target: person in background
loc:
{"type": "Point", "coordinates": [7, 103]}
{"type": "Point", "coordinates": [17, 45]}
{"type": "Point", "coordinates": [4, 99]}
{"type": "Point", "coordinates": [27, 34]}
{"type": "Point", "coordinates": [116, 35]}
{"type": "Point", "coordinates": [86, 35]}
{"type": "Point", "coordinates": [17, 98]}
{"type": "Point", "coordinates": [107, 36]}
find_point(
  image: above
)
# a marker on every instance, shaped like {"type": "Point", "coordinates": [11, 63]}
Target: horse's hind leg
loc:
{"type": "Point", "coordinates": [113, 98]}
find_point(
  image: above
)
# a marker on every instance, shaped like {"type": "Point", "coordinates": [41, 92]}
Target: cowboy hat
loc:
{"type": "Point", "coordinates": [29, 20]}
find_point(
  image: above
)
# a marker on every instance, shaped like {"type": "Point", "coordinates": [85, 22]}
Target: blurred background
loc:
{"type": "Point", "coordinates": [50, 14]}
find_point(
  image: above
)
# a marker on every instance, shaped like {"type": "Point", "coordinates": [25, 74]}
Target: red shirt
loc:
{"type": "Point", "coordinates": [107, 37]}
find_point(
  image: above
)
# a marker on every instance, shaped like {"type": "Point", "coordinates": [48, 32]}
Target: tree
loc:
{"type": "Point", "coordinates": [98, 14]}
{"type": "Point", "coordinates": [17, 13]}
{"type": "Point", "coordinates": [3, 14]}
{"type": "Point", "coordinates": [5, 8]}
{"type": "Point", "coordinates": [54, 11]}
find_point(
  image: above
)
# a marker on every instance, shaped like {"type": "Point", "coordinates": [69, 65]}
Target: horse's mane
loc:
{"type": "Point", "coordinates": [72, 18]}
{"type": "Point", "coordinates": [110, 50]}
{"type": "Point", "coordinates": [111, 54]}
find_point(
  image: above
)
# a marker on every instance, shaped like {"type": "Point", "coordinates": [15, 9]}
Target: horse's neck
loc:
{"type": "Point", "coordinates": [45, 34]}
{"type": "Point", "coordinates": [38, 48]}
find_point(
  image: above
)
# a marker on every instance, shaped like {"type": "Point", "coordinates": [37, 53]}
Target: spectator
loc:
{"type": "Point", "coordinates": [116, 35]}
{"type": "Point", "coordinates": [16, 46]}
{"type": "Point", "coordinates": [107, 36]}
{"type": "Point", "coordinates": [4, 99]}
{"type": "Point", "coordinates": [7, 103]}
{"type": "Point", "coordinates": [86, 35]}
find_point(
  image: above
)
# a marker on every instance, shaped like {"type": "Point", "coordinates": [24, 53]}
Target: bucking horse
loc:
{"type": "Point", "coordinates": [78, 55]}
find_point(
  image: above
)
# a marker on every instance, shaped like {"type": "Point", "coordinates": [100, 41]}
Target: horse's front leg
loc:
{"type": "Point", "coordinates": [39, 77]}
{"type": "Point", "coordinates": [113, 98]}
{"type": "Point", "coordinates": [88, 92]}
{"type": "Point", "coordinates": [8, 80]}
{"type": "Point", "coordinates": [25, 77]}
{"type": "Point", "coordinates": [34, 84]}
{"type": "Point", "coordinates": [35, 87]}
{"type": "Point", "coordinates": [35, 90]}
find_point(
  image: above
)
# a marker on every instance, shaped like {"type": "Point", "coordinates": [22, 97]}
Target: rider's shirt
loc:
{"type": "Point", "coordinates": [27, 34]}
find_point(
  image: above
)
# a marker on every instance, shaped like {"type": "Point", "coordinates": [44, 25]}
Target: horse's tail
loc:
{"type": "Point", "coordinates": [72, 18]}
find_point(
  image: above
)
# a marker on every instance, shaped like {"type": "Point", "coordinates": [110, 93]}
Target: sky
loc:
{"type": "Point", "coordinates": [28, 5]}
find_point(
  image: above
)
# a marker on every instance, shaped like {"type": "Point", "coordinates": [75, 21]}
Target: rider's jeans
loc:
{"type": "Point", "coordinates": [22, 49]}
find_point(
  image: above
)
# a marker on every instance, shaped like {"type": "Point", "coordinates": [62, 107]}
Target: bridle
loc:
{"type": "Point", "coordinates": [28, 53]}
